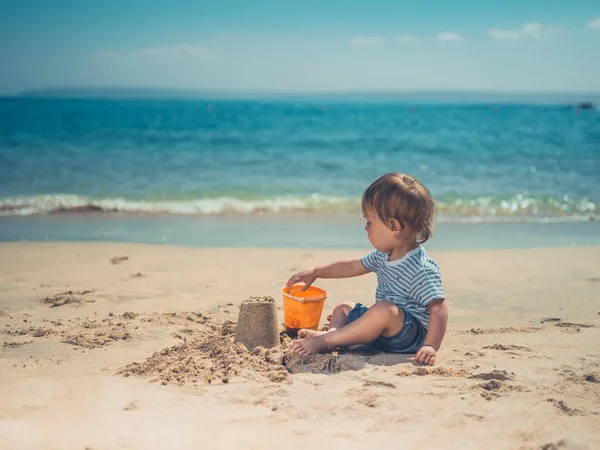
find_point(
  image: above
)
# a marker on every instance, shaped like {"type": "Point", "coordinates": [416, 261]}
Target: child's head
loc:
{"type": "Point", "coordinates": [397, 207]}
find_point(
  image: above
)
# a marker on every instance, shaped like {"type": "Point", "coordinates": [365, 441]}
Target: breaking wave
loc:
{"type": "Point", "coordinates": [519, 207]}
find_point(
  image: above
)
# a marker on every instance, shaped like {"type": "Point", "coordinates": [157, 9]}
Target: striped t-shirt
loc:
{"type": "Point", "coordinates": [411, 282]}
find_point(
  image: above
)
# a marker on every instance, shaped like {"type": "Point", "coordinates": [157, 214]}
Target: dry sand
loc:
{"type": "Point", "coordinates": [118, 346]}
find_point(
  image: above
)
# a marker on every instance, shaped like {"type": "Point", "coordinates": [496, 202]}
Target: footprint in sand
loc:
{"type": "Point", "coordinates": [379, 384]}
{"type": "Point", "coordinates": [507, 347]}
{"type": "Point", "coordinates": [494, 388]}
{"type": "Point", "coordinates": [65, 298]}
{"type": "Point", "coordinates": [369, 400]}
{"type": "Point", "coordinates": [445, 372]}
{"type": "Point", "coordinates": [503, 330]}
{"type": "Point", "coordinates": [474, 416]}
{"type": "Point", "coordinates": [550, 319]}
{"type": "Point", "coordinates": [552, 446]}
{"type": "Point", "coordinates": [562, 406]}
{"type": "Point", "coordinates": [139, 275]}
{"type": "Point", "coordinates": [131, 406]}
{"type": "Point", "coordinates": [118, 259]}
{"type": "Point", "coordinates": [499, 375]}
{"type": "Point", "coordinates": [31, 331]}
{"type": "Point", "coordinates": [363, 396]}
{"type": "Point", "coordinates": [573, 325]}
{"type": "Point", "coordinates": [473, 355]}
{"type": "Point", "coordinates": [224, 308]}
{"type": "Point", "coordinates": [592, 378]}
{"type": "Point", "coordinates": [15, 344]}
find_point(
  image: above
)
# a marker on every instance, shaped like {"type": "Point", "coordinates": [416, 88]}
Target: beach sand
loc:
{"type": "Point", "coordinates": [123, 346]}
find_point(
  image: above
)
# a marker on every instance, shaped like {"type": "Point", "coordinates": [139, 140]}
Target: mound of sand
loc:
{"type": "Point", "coordinates": [212, 354]}
{"type": "Point", "coordinates": [209, 355]}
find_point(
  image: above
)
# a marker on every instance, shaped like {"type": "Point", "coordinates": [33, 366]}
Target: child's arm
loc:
{"type": "Point", "coordinates": [340, 269]}
{"type": "Point", "coordinates": [438, 320]}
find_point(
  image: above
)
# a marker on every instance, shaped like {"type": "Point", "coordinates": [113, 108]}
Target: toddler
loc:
{"type": "Point", "coordinates": [409, 314]}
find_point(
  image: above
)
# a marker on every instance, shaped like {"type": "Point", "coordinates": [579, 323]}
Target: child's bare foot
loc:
{"type": "Point", "coordinates": [310, 345]}
{"type": "Point", "coordinates": [307, 334]}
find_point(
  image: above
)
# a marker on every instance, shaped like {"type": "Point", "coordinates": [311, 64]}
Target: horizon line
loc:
{"type": "Point", "coordinates": [366, 90]}
{"type": "Point", "coordinates": [426, 95]}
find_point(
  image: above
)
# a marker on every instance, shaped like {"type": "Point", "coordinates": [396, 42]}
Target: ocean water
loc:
{"type": "Point", "coordinates": [266, 163]}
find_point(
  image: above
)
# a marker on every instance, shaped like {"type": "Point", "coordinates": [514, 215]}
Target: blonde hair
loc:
{"type": "Point", "coordinates": [404, 198]}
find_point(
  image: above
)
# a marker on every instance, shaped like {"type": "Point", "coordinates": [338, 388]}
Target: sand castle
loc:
{"type": "Point", "coordinates": [257, 323]}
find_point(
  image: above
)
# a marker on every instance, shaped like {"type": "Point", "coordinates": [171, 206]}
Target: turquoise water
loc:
{"type": "Point", "coordinates": [263, 162]}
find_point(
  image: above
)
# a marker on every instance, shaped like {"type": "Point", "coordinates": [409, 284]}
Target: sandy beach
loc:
{"type": "Point", "coordinates": [124, 346]}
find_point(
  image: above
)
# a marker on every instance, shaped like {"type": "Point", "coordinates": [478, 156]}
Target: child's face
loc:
{"type": "Point", "coordinates": [380, 236]}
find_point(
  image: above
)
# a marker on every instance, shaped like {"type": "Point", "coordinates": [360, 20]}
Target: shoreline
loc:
{"type": "Point", "coordinates": [299, 231]}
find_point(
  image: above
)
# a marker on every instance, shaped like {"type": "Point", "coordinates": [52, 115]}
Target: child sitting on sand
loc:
{"type": "Point", "coordinates": [410, 314]}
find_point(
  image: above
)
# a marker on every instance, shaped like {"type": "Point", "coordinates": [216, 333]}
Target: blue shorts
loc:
{"type": "Point", "coordinates": [408, 340]}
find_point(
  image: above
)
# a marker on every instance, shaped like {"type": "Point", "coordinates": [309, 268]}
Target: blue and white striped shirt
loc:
{"type": "Point", "coordinates": [411, 282]}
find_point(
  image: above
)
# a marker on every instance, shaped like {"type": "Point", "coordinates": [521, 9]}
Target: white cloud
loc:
{"type": "Point", "coordinates": [534, 30]}
{"type": "Point", "coordinates": [367, 40]}
{"type": "Point", "coordinates": [505, 34]}
{"type": "Point", "coordinates": [174, 51]}
{"type": "Point", "coordinates": [595, 24]}
{"type": "Point", "coordinates": [407, 39]}
{"type": "Point", "coordinates": [449, 37]}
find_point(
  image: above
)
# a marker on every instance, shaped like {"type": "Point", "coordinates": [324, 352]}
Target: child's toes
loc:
{"type": "Point", "coordinates": [299, 350]}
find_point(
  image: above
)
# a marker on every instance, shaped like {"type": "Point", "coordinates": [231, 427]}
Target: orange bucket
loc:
{"type": "Point", "coordinates": [301, 309]}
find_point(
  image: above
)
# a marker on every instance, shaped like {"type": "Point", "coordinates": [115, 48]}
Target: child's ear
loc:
{"type": "Point", "coordinates": [395, 225]}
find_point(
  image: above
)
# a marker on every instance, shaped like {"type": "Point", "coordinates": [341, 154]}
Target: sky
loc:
{"type": "Point", "coordinates": [302, 45]}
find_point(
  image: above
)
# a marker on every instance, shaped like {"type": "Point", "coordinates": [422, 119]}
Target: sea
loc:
{"type": "Point", "coordinates": [280, 172]}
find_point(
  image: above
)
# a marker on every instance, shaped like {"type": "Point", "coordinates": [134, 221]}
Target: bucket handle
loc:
{"type": "Point", "coordinates": [298, 299]}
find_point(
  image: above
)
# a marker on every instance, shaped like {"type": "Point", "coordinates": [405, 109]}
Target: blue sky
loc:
{"type": "Point", "coordinates": [309, 45]}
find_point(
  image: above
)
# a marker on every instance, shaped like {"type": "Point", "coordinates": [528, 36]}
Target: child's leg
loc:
{"type": "Point", "coordinates": [384, 318]}
{"type": "Point", "coordinates": [339, 318]}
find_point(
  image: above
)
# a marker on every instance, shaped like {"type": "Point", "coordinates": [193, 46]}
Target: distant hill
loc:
{"type": "Point", "coordinates": [415, 97]}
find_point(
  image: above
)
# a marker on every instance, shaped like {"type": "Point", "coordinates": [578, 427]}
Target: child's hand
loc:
{"type": "Point", "coordinates": [426, 355]}
{"type": "Point", "coordinates": [308, 277]}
